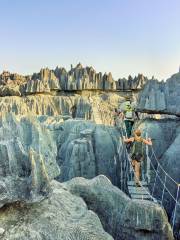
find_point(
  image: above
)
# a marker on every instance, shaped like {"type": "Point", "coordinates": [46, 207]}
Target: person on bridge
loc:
{"type": "Point", "coordinates": [128, 114]}
{"type": "Point", "coordinates": [137, 153]}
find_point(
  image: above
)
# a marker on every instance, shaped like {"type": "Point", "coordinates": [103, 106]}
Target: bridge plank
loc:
{"type": "Point", "coordinates": [131, 183]}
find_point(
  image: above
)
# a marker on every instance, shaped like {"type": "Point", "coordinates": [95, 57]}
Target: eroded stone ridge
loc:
{"type": "Point", "coordinates": [87, 150]}
{"type": "Point", "coordinates": [136, 83]}
{"type": "Point", "coordinates": [161, 97]}
{"type": "Point", "coordinates": [27, 162]}
{"type": "Point", "coordinates": [122, 217]}
{"type": "Point", "coordinates": [61, 216]}
{"type": "Point", "coordinates": [77, 78]}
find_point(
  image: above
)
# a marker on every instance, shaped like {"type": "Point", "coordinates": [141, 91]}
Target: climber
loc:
{"type": "Point", "coordinates": [128, 114]}
{"type": "Point", "coordinates": [137, 153]}
{"type": "Point", "coordinates": [74, 111]}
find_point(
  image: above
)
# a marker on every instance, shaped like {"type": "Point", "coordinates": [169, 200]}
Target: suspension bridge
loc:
{"type": "Point", "coordinates": [152, 163]}
{"type": "Point", "coordinates": [144, 192]}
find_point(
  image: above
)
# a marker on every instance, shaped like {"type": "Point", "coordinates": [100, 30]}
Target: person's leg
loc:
{"type": "Point", "coordinates": [131, 123]}
{"type": "Point", "coordinates": [128, 128]}
{"type": "Point", "coordinates": [126, 125]}
{"type": "Point", "coordinates": [137, 172]}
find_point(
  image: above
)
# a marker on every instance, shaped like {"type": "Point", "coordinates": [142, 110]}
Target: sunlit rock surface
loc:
{"type": "Point", "coordinates": [161, 97]}
{"type": "Point", "coordinates": [136, 83]}
{"type": "Point", "coordinates": [121, 217]}
{"type": "Point", "coordinates": [60, 216]}
{"type": "Point", "coordinates": [87, 150]}
{"type": "Point", "coordinates": [99, 108]}
{"type": "Point", "coordinates": [59, 79]}
{"type": "Point", "coordinates": [28, 160]}
{"type": "Point", "coordinates": [43, 142]}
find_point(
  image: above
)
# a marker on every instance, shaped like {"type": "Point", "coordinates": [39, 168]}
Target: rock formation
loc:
{"type": "Point", "coordinates": [87, 150]}
{"type": "Point", "coordinates": [41, 141]}
{"type": "Point", "coordinates": [43, 82]}
{"type": "Point", "coordinates": [136, 83]}
{"type": "Point", "coordinates": [28, 160]}
{"type": "Point", "coordinates": [121, 217]}
{"type": "Point", "coordinates": [60, 216]}
{"type": "Point", "coordinates": [78, 78]}
{"type": "Point", "coordinates": [161, 97]}
{"type": "Point", "coordinates": [45, 105]}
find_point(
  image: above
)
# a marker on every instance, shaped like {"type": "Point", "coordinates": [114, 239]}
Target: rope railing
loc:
{"type": "Point", "coordinates": [162, 166]}
{"type": "Point", "coordinates": [175, 199]}
{"type": "Point", "coordinates": [160, 179]}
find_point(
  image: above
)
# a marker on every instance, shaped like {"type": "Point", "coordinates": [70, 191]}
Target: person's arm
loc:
{"type": "Point", "coordinates": [121, 115]}
{"type": "Point", "coordinates": [147, 141]}
{"type": "Point", "coordinates": [128, 140]}
{"type": "Point", "coordinates": [137, 115]}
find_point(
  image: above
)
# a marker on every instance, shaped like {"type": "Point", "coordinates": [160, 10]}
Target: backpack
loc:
{"type": "Point", "coordinates": [137, 146]}
{"type": "Point", "coordinates": [128, 111]}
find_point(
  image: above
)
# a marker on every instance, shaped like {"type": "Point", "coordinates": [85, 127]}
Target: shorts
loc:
{"type": "Point", "coordinates": [137, 156]}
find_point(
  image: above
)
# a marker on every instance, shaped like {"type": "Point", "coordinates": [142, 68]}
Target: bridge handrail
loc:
{"type": "Point", "coordinates": [163, 182]}
{"type": "Point", "coordinates": [162, 167]}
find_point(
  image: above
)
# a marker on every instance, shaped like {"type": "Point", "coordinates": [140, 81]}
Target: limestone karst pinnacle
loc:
{"type": "Point", "coordinates": [77, 78]}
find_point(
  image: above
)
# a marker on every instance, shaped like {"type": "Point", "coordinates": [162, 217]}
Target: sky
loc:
{"type": "Point", "coordinates": [119, 36]}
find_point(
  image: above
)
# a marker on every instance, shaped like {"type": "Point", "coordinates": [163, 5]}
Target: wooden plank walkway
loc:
{"type": "Point", "coordinates": [140, 193]}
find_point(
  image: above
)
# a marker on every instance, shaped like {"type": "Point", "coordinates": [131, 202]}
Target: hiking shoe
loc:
{"type": "Point", "coordinates": [138, 185]}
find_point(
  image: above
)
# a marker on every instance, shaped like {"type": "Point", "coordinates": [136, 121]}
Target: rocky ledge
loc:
{"type": "Point", "coordinates": [161, 97]}
{"type": "Point", "coordinates": [59, 79]}
{"type": "Point", "coordinates": [60, 216]}
{"type": "Point", "coordinates": [65, 216]}
{"type": "Point", "coordinates": [122, 217]}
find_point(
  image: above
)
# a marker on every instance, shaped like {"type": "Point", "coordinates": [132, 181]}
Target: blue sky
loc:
{"type": "Point", "coordinates": [121, 36]}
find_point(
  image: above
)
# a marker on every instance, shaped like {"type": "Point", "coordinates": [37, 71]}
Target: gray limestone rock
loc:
{"type": "Point", "coordinates": [121, 217]}
{"type": "Point", "coordinates": [28, 160]}
{"type": "Point", "coordinates": [43, 82]}
{"type": "Point", "coordinates": [46, 105]}
{"type": "Point", "coordinates": [136, 83]}
{"type": "Point", "coordinates": [161, 97]}
{"type": "Point", "coordinates": [60, 216]}
{"type": "Point", "coordinates": [87, 150]}
{"type": "Point", "coordinates": [46, 81]}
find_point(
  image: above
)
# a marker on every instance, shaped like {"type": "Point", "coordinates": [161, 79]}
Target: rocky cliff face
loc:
{"type": "Point", "coordinates": [28, 165]}
{"type": "Point", "coordinates": [98, 107]}
{"type": "Point", "coordinates": [40, 144]}
{"type": "Point", "coordinates": [78, 78]}
{"type": "Point", "coordinates": [27, 162]}
{"type": "Point", "coordinates": [87, 150]}
{"type": "Point", "coordinates": [161, 97]}
{"type": "Point", "coordinates": [136, 83]}
{"type": "Point", "coordinates": [122, 217]}
{"type": "Point", "coordinates": [60, 216]}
